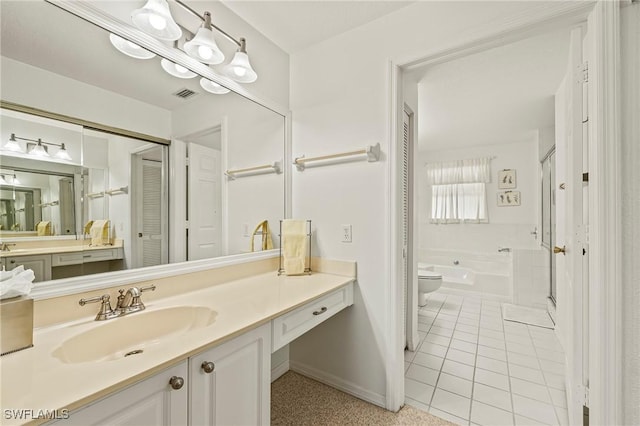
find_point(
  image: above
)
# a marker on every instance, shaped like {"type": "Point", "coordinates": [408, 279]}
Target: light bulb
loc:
{"type": "Point", "coordinates": [205, 52]}
{"type": "Point", "coordinates": [239, 71]}
{"type": "Point", "coordinates": [157, 22]}
{"type": "Point", "coordinates": [176, 70]}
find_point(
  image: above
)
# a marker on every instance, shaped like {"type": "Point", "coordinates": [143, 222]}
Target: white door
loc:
{"type": "Point", "coordinates": [230, 384]}
{"type": "Point", "coordinates": [204, 200]}
{"type": "Point", "coordinates": [570, 230]}
{"type": "Point", "coordinates": [152, 401]}
{"type": "Point", "coordinates": [148, 210]}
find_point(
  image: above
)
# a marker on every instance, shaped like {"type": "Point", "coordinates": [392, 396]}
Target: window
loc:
{"type": "Point", "coordinates": [458, 190]}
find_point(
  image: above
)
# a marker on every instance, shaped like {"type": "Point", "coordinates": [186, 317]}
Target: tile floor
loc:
{"type": "Point", "coordinates": [473, 368]}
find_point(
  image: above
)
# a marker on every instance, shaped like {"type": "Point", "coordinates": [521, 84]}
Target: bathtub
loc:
{"type": "Point", "coordinates": [489, 273]}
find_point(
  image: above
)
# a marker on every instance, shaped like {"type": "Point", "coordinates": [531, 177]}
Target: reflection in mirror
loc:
{"type": "Point", "coordinates": [121, 193]}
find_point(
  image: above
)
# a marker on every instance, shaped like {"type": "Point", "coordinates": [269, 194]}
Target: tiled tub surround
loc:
{"type": "Point", "coordinates": [474, 368]}
{"type": "Point", "coordinates": [35, 379]}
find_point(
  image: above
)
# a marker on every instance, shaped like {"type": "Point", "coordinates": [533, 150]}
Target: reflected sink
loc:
{"type": "Point", "coordinates": [128, 335]}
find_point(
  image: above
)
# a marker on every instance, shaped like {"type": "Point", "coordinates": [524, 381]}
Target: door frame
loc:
{"type": "Point", "coordinates": [603, 19]}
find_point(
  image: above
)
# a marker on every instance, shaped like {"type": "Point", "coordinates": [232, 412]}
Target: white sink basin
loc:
{"type": "Point", "coordinates": [130, 334]}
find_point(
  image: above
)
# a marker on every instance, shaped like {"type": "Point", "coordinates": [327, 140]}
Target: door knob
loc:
{"type": "Point", "coordinates": [557, 250]}
{"type": "Point", "coordinates": [176, 382]}
{"type": "Point", "coordinates": [208, 367]}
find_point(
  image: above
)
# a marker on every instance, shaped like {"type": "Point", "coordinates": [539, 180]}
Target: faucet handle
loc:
{"type": "Point", "coordinates": [105, 311]}
{"type": "Point", "coordinates": [152, 287]}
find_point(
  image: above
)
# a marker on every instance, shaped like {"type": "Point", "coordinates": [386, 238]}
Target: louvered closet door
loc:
{"type": "Point", "coordinates": [405, 215]}
{"type": "Point", "coordinates": [151, 213]}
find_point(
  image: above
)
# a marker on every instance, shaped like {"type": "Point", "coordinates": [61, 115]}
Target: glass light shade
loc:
{"type": "Point", "coordinates": [155, 19]}
{"type": "Point", "coordinates": [13, 145]}
{"type": "Point", "coordinates": [203, 47]}
{"type": "Point", "coordinates": [15, 180]}
{"type": "Point", "coordinates": [63, 154]}
{"type": "Point", "coordinates": [129, 48]}
{"type": "Point", "coordinates": [239, 69]}
{"type": "Point", "coordinates": [213, 87]}
{"type": "Point", "coordinates": [39, 151]}
{"type": "Point", "coordinates": [176, 70]}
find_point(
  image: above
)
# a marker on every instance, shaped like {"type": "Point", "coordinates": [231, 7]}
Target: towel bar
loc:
{"type": "Point", "coordinates": [372, 152]}
{"type": "Point", "coordinates": [116, 191]}
{"type": "Point", "coordinates": [275, 167]}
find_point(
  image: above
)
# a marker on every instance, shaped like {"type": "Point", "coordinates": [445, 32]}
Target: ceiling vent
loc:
{"type": "Point", "coordinates": [185, 93]}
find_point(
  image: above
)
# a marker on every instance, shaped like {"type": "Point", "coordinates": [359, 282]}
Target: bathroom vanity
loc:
{"type": "Point", "coordinates": [200, 357]}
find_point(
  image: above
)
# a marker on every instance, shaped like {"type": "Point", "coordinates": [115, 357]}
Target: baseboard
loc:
{"type": "Point", "coordinates": [279, 370]}
{"type": "Point", "coordinates": [338, 383]}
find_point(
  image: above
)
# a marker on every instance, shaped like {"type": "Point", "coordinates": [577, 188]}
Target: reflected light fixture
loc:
{"type": "Point", "coordinates": [155, 19]}
{"type": "Point", "coordinates": [3, 181]}
{"type": "Point", "coordinates": [13, 145]}
{"type": "Point", "coordinates": [176, 70]}
{"type": "Point", "coordinates": [130, 48]}
{"type": "Point", "coordinates": [203, 46]}
{"type": "Point", "coordinates": [39, 148]}
{"type": "Point", "coordinates": [213, 87]}
{"type": "Point", "coordinates": [62, 153]}
{"type": "Point", "coordinates": [239, 69]}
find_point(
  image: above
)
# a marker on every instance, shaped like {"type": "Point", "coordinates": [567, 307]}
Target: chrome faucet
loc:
{"type": "Point", "coordinates": [5, 246]}
{"type": "Point", "coordinates": [128, 303]}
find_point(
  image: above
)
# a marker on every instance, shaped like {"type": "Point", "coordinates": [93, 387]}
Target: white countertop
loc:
{"type": "Point", "coordinates": [54, 250]}
{"type": "Point", "coordinates": [35, 379]}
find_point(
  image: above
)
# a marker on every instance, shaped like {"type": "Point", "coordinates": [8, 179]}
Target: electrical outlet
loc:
{"type": "Point", "coordinates": [346, 233]}
{"type": "Point", "coordinates": [245, 229]}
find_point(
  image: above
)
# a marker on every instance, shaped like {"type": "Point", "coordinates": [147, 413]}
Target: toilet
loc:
{"type": "Point", "coordinates": [428, 281]}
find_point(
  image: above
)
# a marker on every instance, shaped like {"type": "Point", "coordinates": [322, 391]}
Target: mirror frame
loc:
{"type": "Point", "coordinates": [62, 287]}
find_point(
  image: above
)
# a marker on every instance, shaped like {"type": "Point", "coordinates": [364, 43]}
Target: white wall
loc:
{"type": "Point", "coordinates": [508, 226]}
{"type": "Point", "coordinates": [27, 85]}
{"type": "Point", "coordinates": [340, 99]}
{"type": "Point", "coordinates": [254, 137]}
{"type": "Point", "coordinates": [630, 89]}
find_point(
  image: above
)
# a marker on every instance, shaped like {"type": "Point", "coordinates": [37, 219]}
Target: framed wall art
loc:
{"type": "Point", "coordinates": [508, 198]}
{"type": "Point", "coordinates": [506, 179]}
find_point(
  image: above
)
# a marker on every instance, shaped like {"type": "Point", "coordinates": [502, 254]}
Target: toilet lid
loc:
{"type": "Point", "coordinates": [424, 273]}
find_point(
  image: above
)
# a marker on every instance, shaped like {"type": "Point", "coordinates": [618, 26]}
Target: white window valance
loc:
{"type": "Point", "coordinates": [473, 170]}
{"type": "Point", "coordinates": [458, 192]}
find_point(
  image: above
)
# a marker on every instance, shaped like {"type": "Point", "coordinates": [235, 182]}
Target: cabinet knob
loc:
{"type": "Point", "coordinates": [208, 367]}
{"type": "Point", "coordinates": [176, 382]}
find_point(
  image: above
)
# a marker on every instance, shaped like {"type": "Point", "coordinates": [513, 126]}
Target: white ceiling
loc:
{"type": "Point", "coordinates": [296, 24]}
{"type": "Point", "coordinates": [502, 95]}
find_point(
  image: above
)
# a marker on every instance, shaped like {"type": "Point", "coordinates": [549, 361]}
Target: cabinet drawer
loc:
{"type": "Point", "coordinates": [288, 327]}
{"type": "Point", "coordinates": [77, 258]}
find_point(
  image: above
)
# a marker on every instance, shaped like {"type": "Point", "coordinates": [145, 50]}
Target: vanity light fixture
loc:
{"type": "Point", "coordinates": [129, 48]}
{"type": "Point", "coordinates": [39, 148]}
{"type": "Point", "coordinates": [203, 46]}
{"type": "Point", "coordinates": [13, 145]}
{"type": "Point", "coordinates": [239, 69]}
{"type": "Point", "coordinates": [213, 87]}
{"type": "Point", "coordinates": [176, 70]}
{"type": "Point", "coordinates": [155, 19]}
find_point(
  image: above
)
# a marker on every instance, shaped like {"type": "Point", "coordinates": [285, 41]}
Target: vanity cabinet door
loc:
{"type": "Point", "coordinates": [230, 383]}
{"type": "Point", "coordinates": [153, 401]}
{"type": "Point", "coordinates": [39, 264]}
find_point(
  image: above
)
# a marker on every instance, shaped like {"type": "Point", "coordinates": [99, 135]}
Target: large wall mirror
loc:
{"type": "Point", "coordinates": [194, 184]}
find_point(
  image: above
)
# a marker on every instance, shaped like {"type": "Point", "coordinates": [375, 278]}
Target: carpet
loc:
{"type": "Point", "coordinates": [299, 400]}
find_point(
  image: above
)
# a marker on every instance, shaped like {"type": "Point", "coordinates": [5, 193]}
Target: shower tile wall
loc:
{"type": "Point", "coordinates": [531, 277]}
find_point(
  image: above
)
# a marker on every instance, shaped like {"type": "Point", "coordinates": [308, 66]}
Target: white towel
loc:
{"type": "Point", "coordinates": [294, 246]}
{"type": "Point", "coordinates": [99, 233]}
